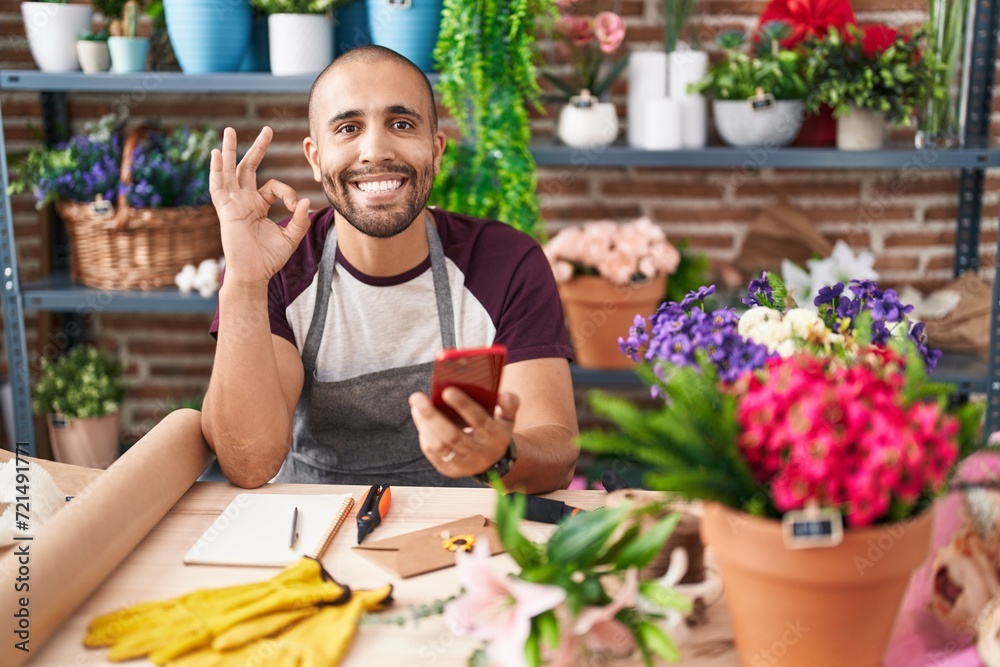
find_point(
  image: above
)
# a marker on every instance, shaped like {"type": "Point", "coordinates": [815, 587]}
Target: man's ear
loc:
{"type": "Point", "coordinates": [311, 150]}
{"type": "Point", "coordinates": [440, 141]}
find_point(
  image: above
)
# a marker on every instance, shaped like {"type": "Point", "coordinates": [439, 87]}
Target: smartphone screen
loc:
{"type": "Point", "coordinates": [476, 371]}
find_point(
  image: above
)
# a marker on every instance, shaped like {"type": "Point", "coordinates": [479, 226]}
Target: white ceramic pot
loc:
{"type": "Point", "coordinates": [52, 30]}
{"type": "Point", "coordinates": [741, 126]}
{"type": "Point", "coordinates": [861, 130]}
{"type": "Point", "coordinates": [299, 43]}
{"type": "Point", "coordinates": [94, 55]}
{"type": "Point", "coordinates": [595, 126]}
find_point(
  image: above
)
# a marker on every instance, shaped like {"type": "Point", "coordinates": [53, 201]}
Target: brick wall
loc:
{"type": "Point", "coordinates": [906, 217]}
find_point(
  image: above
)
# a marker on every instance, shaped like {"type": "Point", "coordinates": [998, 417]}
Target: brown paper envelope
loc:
{"type": "Point", "coordinates": [421, 551]}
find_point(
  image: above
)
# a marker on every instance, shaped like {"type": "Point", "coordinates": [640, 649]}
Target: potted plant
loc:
{"type": "Point", "coordinates": [92, 49]}
{"type": "Point", "coordinates": [125, 197]}
{"type": "Point", "coordinates": [588, 42]}
{"type": "Point", "coordinates": [488, 78]}
{"type": "Point", "coordinates": [811, 437]}
{"type": "Point", "coordinates": [757, 99]}
{"type": "Point", "coordinates": [128, 50]}
{"type": "Point", "coordinates": [81, 395]}
{"type": "Point", "coordinates": [811, 18]}
{"type": "Point", "coordinates": [300, 34]}
{"type": "Point", "coordinates": [942, 121]}
{"type": "Point", "coordinates": [408, 27]}
{"type": "Point", "coordinates": [209, 35]}
{"type": "Point", "coordinates": [869, 78]}
{"type": "Point", "coordinates": [606, 272]}
{"type": "Point", "coordinates": [575, 599]}
{"type": "Point", "coordinates": [52, 27]}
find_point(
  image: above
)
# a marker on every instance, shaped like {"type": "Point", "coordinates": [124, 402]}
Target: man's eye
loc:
{"type": "Point", "coordinates": [402, 124]}
{"type": "Point", "coordinates": [348, 129]}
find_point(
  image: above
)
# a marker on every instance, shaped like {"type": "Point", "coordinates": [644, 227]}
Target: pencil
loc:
{"type": "Point", "coordinates": [295, 529]}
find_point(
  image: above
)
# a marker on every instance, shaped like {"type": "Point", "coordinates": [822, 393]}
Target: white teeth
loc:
{"type": "Point", "coordinates": [378, 186]}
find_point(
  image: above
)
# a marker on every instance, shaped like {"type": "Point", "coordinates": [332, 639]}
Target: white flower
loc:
{"type": "Point", "coordinates": [805, 324]}
{"type": "Point", "coordinates": [754, 317]}
{"type": "Point", "coordinates": [786, 348]}
{"type": "Point", "coordinates": [562, 270]}
{"type": "Point", "coordinates": [842, 266]}
{"type": "Point", "coordinates": [798, 282]}
{"type": "Point", "coordinates": [770, 334]}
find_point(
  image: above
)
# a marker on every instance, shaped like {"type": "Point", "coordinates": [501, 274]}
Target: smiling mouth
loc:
{"type": "Point", "coordinates": [379, 187]}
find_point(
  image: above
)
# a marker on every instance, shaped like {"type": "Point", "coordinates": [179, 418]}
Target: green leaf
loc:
{"type": "Point", "coordinates": [657, 641]}
{"type": "Point", "coordinates": [533, 650]}
{"type": "Point", "coordinates": [548, 628]}
{"type": "Point", "coordinates": [663, 597]}
{"type": "Point", "coordinates": [579, 539]}
{"type": "Point", "coordinates": [509, 513]}
{"type": "Point", "coordinates": [644, 548]}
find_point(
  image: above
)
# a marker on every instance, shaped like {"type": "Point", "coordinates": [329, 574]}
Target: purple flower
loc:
{"type": "Point", "coordinates": [829, 294]}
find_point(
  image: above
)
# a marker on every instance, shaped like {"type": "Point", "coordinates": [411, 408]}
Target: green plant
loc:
{"type": "Point", "coordinates": [122, 16]}
{"type": "Point", "coordinates": [485, 53]}
{"type": "Point", "coordinates": [875, 69]}
{"type": "Point", "coordinates": [577, 595]}
{"type": "Point", "coordinates": [769, 410]}
{"type": "Point", "coordinates": [85, 382]}
{"type": "Point", "coordinates": [88, 36]}
{"type": "Point", "coordinates": [676, 14]}
{"type": "Point", "coordinates": [740, 75]}
{"type": "Point", "coordinates": [946, 30]}
{"type": "Point", "coordinates": [296, 6]}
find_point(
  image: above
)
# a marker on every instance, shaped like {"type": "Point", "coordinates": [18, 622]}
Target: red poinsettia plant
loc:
{"type": "Point", "coordinates": [808, 18]}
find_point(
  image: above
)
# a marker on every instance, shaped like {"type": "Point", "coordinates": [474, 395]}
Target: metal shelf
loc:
{"type": "Point", "coordinates": [965, 370]}
{"type": "Point", "coordinates": [56, 293]}
{"type": "Point", "coordinates": [551, 154]}
{"type": "Point", "coordinates": [158, 82]}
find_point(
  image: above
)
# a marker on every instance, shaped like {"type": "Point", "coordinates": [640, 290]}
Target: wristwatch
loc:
{"type": "Point", "coordinates": [501, 467]}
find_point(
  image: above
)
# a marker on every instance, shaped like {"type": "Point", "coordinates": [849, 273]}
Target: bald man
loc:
{"type": "Point", "coordinates": [329, 321]}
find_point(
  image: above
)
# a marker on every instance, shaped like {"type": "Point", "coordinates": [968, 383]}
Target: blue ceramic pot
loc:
{"type": "Point", "coordinates": [351, 28]}
{"type": "Point", "coordinates": [257, 57]}
{"type": "Point", "coordinates": [409, 30]}
{"type": "Point", "coordinates": [128, 54]}
{"type": "Point", "coordinates": [208, 35]}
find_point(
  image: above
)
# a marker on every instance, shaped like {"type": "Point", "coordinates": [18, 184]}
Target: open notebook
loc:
{"type": "Point", "coordinates": [256, 529]}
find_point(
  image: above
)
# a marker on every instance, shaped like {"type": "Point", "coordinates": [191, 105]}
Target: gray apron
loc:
{"type": "Point", "coordinates": [360, 431]}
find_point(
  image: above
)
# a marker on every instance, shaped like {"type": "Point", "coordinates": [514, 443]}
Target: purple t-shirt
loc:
{"type": "Point", "coordinates": [502, 289]}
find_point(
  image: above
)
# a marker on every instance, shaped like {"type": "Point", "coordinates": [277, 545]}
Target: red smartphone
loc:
{"type": "Point", "coordinates": [476, 371]}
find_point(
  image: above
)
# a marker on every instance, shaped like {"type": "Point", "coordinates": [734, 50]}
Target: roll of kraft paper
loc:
{"type": "Point", "coordinates": [74, 552]}
{"type": "Point", "coordinates": [545, 510]}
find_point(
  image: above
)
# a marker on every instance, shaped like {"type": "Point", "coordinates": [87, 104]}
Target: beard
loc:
{"type": "Point", "coordinates": [380, 221]}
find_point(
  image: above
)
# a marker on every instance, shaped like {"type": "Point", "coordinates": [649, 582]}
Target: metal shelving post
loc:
{"type": "Point", "coordinates": [13, 315]}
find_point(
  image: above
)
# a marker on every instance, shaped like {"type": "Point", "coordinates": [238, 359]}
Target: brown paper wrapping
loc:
{"type": "Point", "coordinates": [967, 327]}
{"type": "Point", "coordinates": [83, 543]}
{"type": "Point", "coordinates": [779, 231]}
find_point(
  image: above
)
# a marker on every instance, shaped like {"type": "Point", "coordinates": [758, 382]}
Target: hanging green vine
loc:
{"type": "Point", "coordinates": [485, 54]}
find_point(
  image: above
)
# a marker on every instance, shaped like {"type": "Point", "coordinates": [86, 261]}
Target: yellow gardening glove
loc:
{"type": "Point", "coordinates": [166, 629]}
{"type": "Point", "coordinates": [320, 639]}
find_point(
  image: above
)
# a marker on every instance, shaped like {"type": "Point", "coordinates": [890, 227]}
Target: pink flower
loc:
{"type": "Point", "coordinates": [618, 267]}
{"type": "Point", "coordinates": [610, 31]}
{"type": "Point", "coordinates": [577, 29]}
{"type": "Point", "coordinates": [601, 633]}
{"type": "Point", "coordinates": [497, 609]}
{"type": "Point", "coordinates": [562, 270]}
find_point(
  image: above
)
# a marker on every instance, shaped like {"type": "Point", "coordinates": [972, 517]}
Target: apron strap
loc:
{"type": "Point", "coordinates": [442, 287]}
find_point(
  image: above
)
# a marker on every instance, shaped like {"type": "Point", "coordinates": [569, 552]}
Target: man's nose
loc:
{"type": "Point", "coordinates": [376, 146]}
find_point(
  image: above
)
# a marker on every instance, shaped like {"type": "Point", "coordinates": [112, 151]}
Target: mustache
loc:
{"type": "Point", "coordinates": [402, 170]}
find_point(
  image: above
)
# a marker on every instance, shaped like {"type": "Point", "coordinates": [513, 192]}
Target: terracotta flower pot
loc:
{"type": "Point", "coordinates": [598, 312]}
{"type": "Point", "coordinates": [92, 443]}
{"type": "Point", "coordinates": [822, 607]}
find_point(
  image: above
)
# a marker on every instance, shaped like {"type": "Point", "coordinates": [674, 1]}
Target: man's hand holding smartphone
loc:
{"type": "Point", "coordinates": [466, 424]}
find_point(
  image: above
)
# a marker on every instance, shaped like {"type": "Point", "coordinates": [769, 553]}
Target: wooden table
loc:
{"type": "Point", "coordinates": [155, 570]}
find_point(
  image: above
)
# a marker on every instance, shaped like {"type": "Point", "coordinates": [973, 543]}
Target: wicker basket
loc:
{"type": "Point", "coordinates": [127, 248]}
